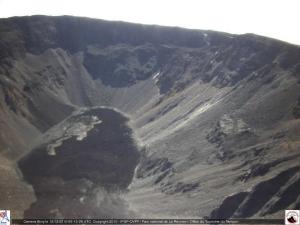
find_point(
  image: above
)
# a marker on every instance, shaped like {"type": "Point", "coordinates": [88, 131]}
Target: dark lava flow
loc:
{"type": "Point", "coordinates": [84, 177]}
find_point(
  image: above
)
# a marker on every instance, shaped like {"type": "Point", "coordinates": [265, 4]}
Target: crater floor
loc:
{"type": "Point", "coordinates": [82, 174]}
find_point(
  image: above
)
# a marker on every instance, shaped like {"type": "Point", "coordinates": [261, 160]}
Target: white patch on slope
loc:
{"type": "Point", "coordinates": [155, 77]}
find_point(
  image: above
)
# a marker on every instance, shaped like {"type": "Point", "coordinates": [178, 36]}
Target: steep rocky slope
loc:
{"type": "Point", "coordinates": [215, 117]}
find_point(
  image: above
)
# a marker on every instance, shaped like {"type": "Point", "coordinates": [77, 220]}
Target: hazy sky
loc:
{"type": "Point", "coordinates": [274, 18]}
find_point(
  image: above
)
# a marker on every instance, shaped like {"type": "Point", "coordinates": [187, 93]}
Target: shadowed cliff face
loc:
{"type": "Point", "coordinates": [217, 116]}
